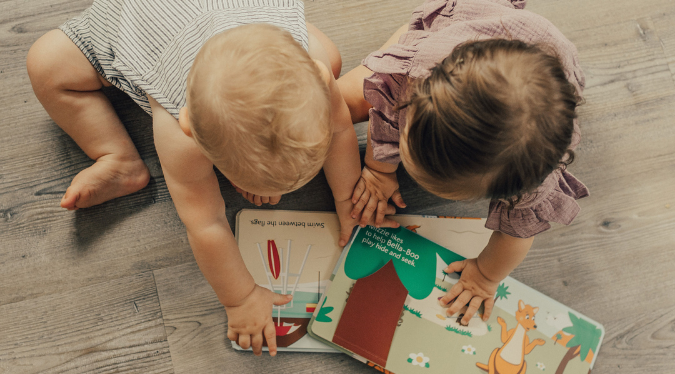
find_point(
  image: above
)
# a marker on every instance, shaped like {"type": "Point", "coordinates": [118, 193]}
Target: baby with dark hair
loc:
{"type": "Point", "coordinates": [477, 99]}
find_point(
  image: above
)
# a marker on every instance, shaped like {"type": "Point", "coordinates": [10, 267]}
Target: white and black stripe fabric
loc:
{"type": "Point", "coordinates": [148, 46]}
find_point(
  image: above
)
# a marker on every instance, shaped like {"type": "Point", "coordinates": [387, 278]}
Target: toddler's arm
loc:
{"type": "Point", "coordinates": [195, 191]}
{"type": "Point", "coordinates": [481, 276]}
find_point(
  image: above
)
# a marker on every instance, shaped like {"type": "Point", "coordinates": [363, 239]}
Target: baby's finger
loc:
{"type": "Point", "coordinates": [488, 305]}
{"type": "Point", "coordinates": [251, 198]}
{"type": "Point", "coordinates": [363, 200]}
{"type": "Point", "coordinates": [398, 199]}
{"type": "Point", "coordinates": [368, 211]}
{"type": "Point", "coordinates": [345, 233]}
{"type": "Point", "coordinates": [232, 335]}
{"type": "Point", "coordinates": [456, 267]}
{"type": "Point", "coordinates": [274, 200]}
{"type": "Point", "coordinates": [381, 210]}
{"type": "Point", "coordinates": [245, 341]}
{"type": "Point", "coordinates": [452, 294]}
{"type": "Point", "coordinates": [271, 337]}
{"type": "Point", "coordinates": [461, 301]}
{"type": "Point", "coordinates": [471, 310]}
{"type": "Point", "coordinates": [358, 190]}
{"type": "Point", "coordinates": [265, 199]}
{"type": "Point", "coordinates": [257, 200]}
{"type": "Point", "coordinates": [390, 223]}
{"type": "Point", "coordinates": [256, 343]}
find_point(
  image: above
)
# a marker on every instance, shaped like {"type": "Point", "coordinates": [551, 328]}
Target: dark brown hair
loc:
{"type": "Point", "coordinates": [496, 109]}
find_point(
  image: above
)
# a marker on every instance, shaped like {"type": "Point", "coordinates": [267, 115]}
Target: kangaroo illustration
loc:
{"type": "Point", "coordinates": [510, 358]}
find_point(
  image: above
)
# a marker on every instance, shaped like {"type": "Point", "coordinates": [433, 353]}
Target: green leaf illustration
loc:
{"type": "Point", "coordinates": [322, 316]}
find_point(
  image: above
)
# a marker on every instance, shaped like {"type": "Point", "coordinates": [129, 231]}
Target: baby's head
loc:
{"type": "Point", "coordinates": [258, 107]}
{"type": "Point", "coordinates": [492, 120]}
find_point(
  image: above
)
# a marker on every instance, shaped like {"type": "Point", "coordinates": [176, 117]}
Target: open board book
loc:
{"type": "Point", "coordinates": [381, 306]}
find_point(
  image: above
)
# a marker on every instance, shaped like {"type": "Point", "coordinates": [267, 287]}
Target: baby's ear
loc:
{"type": "Point", "coordinates": [325, 73]}
{"type": "Point", "coordinates": [184, 121]}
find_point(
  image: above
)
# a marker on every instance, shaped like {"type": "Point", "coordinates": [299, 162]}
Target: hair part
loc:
{"type": "Point", "coordinates": [496, 111]}
{"type": "Point", "coordinates": [259, 109]}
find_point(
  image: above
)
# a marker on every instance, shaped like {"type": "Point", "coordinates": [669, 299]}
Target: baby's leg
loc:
{"type": "Point", "coordinates": [69, 88]}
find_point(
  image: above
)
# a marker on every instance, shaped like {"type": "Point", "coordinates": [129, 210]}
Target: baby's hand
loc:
{"type": "Point", "coordinates": [257, 199]}
{"type": "Point", "coordinates": [372, 192]}
{"type": "Point", "coordinates": [347, 223]}
{"type": "Point", "coordinates": [248, 321]}
{"type": "Point", "coordinates": [472, 288]}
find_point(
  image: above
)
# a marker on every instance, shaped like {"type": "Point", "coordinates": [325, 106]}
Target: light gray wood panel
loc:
{"type": "Point", "coordinates": [609, 264]}
{"type": "Point", "coordinates": [663, 22]}
{"type": "Point", "coordinates": [358, 27]}
{"type": "Point", "coordinates": [574, 15]}
{"type": "Point", "coordinates": [196, 330]}
{"type": "Point", "coordinates": [111, 327]}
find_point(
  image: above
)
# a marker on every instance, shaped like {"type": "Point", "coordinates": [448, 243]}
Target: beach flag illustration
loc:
{"type": "Point", "coordinates": [277, 269]}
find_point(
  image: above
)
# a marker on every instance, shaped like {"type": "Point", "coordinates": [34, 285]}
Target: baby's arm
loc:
{"type": "Point", "coordinates": [378, 181]}
{"type": "Point", "coordinates": [342, 166]}
{"type": "Point", "coordinates": [481, 276]}
{"type": "Point", "coordinates": [195, 191]}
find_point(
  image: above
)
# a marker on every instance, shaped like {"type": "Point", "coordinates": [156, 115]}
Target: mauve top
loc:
{"type": "Point", "coordinates": [436, 28]}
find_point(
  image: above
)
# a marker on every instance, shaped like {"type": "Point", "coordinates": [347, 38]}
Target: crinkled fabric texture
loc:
{"type": "Point", "coordinates": [436, 28]}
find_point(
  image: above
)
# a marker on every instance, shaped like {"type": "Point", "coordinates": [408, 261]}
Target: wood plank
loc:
{"type": "Point", "coordinates": [574, 15]}
{"type": "Point", "coordinates": [196, 330]}
{"type": "Point", "coordinates": [664, 27]}
{"type": "Point", "coordinates": [359, 27]}
{"type": "Point", "coordinates": [610, 263]}
{"type": "Point", "coordinates": [110, 327]}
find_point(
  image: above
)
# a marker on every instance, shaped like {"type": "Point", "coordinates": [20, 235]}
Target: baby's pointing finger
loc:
{"type": "Point", "coordinates": [274, 200]}
{"type": "Point", "coordinates": [232, 335]}
{"type": "Point", "coordinates": [270, 333]}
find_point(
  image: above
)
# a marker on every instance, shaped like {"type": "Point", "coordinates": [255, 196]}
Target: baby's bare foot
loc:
{"type": "Point", "coordinates": [108, 178]}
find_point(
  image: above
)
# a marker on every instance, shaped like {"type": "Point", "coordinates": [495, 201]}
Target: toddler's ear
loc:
{"type": "Point", "coordinates": [184, 121]}
{"type": "Point", "coordinates": [326, 75]}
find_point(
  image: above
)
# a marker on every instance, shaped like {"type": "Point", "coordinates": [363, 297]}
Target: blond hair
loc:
{"type": "Point", "coordinates": [259, 109]}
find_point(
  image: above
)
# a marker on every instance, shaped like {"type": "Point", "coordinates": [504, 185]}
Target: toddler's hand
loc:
{"type": "Point", "coordinates": [472, 288]}
{"type": "Point", "coordinates": [371, 195]}
{"type": "Point", "coordinates": [257, 199]}
{"type": "Point", "coordinates": [347, 223]}
{"type": "Point", "coordinates": [252, 318]}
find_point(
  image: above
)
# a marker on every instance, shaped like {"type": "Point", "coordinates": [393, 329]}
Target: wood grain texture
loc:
{"type": "Point", "coordinates": [110, 327]}
{"type": "Point", "coordinates": [68, 280]}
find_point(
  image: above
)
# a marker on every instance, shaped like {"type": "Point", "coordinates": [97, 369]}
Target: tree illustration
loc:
{"type": "Point", "coordinates": [585, 339]}
{"type": "Point", "coordinates": [388, 265]}
{"type": "Point", "coordinates": [502, 292]}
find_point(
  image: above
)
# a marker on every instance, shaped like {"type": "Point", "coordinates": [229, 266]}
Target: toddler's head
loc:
{"type": "Point", "coordinates": [258, 108]}
{"type": "Point", "coordinates": [492, 120]}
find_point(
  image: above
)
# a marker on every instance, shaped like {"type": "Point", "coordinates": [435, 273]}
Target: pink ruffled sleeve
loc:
{"type": "Point", "coordinates": [553, 201]}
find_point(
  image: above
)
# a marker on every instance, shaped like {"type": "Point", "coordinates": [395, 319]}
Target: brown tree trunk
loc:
{"type": "Point", "coordinates": [571, 353]}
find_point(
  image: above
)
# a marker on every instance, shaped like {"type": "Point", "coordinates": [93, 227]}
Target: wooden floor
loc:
{"type": "Point", "coordinates": [115, 288]}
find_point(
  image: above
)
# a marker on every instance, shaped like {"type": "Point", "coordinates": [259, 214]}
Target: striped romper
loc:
{"type": "Point", "coordinates": [146, 47]}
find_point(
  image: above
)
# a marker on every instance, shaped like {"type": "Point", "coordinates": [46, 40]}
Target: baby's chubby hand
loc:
{"type": "Point", "coordinates": [371, 196]}
{"type": "Point", "coordinates": [473, 288]}
{"type": "Point", "coordinates": [347, 223]}
{"type": "Point", "coordinates": [251, 319]}
{"type": "Point", "coordinates": [257, 199]}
